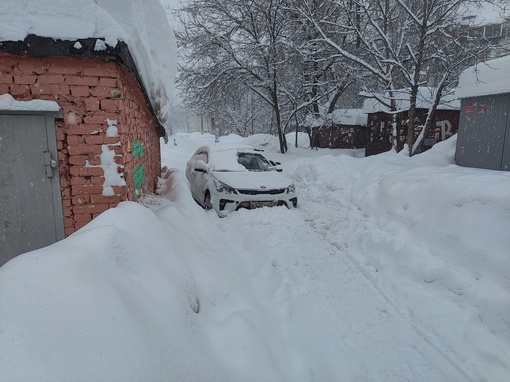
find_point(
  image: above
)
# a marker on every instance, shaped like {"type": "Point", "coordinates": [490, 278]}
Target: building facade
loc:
{"type": "Point", "coordinates": [101, 146]}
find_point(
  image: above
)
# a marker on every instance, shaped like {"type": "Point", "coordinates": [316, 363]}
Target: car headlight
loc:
{"type": "Point", "coordinates": [224, 188]}
{"type": "Point", "coordinates": [291, 189]}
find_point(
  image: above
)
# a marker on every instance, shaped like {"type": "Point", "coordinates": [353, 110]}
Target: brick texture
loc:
{"type": "Point", "coordinates": [90, 91]}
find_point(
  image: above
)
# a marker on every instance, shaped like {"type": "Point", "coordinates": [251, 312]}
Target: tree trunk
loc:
{"type": "Point", "coordinates": [418, 146]}
{"type": "Point", "coordinates": [411, 118]}
{"type": "Point", "coordinates": [415, 87]}
{"type": "Point", "coordinates": [297, 132]}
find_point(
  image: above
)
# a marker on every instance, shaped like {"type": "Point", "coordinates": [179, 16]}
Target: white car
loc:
{"type": "Point", "coordinates": [226, 178]}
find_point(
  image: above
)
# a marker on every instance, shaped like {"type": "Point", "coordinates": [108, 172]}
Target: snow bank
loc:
{"type": "Point", "coordinates": [114, 301]}
{"type": "Point", "coordinates": [435, 241]}
{"type": "Point", "coordinates": [142, 24]}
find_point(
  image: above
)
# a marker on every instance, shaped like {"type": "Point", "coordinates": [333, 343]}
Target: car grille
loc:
{"type": "Point", "coordinates": [263, 192]}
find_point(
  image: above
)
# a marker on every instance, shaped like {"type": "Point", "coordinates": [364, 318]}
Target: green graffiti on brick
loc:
{"type": "Point", "coordinates": [137, 149]}
{"type": "Point", "coordinates": [139, 176]}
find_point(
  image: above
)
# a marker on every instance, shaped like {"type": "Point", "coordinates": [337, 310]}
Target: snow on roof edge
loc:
{"type": "Point", "coordinates": [489, 78]}
{"type": "Point", "coordinates": [141, 24]}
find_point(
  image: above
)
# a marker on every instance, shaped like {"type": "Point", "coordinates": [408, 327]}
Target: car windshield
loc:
{"type": "Point", "coordinates": [253, 161]}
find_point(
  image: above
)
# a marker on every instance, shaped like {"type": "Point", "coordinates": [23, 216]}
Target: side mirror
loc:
{"type": "Point", "coordinates": [274, 164]}
{"type": "Point", "coordinates": [201, 166]}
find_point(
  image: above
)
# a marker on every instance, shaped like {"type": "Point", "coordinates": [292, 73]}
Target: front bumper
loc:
{"type": "Point", "coordinates": [224, 204]}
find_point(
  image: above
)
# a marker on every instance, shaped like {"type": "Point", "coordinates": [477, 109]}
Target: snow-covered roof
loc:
{"type": "Point", "coordinates": [484, 13]}
{"type": "Point", "coordinates": [491, 77]}
{"type": "Point", "coordinates": [424, 100]}
{"type": "Point", "coordinates": [141, 24]}
{"type": "Point", "coordinates": [349, 117]}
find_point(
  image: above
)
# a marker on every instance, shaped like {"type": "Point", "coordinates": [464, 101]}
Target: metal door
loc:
{"type": "Point", "coordinates": [482, 135]}
{"type": "Point", "coordinates": [30, 201]}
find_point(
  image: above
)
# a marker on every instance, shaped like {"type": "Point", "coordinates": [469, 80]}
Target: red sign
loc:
{"type": "Point", "coordinates": [470, 109]}
{"type": "Point", "coordinates": [482, 109]}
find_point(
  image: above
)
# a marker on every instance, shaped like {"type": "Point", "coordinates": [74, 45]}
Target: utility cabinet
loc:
{"type": "Point", "coordinates": [484, 128]}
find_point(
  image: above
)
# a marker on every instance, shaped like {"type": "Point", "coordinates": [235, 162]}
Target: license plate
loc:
{"type": "Point", "coordinates": [271, 203]}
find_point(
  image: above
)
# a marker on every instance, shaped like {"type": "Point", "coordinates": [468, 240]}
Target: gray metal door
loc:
{"type": "Point", "coordinates": [482, 140]}
{"type": "Point", "coordinates": [30, 202]}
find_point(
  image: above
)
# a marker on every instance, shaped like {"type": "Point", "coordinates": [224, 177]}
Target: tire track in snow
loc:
{"type": "Point", "coordinates": [340, 215]}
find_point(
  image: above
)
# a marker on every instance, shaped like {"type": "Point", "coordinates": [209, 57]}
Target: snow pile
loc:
{"type": "Point", "coordinates": [380, 274]}
{"type": "Point", "coordinates": [142, 24]}
{"type": "Point", "coordinates": [422, 233]}
{"type": "Point", "coordinates": [491, 77]}
{"type": "Point", "coordinates": [299, 140]}
{"type": "Point", "coordinates": [114, 301]}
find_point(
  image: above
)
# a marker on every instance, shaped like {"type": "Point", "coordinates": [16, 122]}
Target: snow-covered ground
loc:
{"type": "Point", "coordinates": [391, 269]}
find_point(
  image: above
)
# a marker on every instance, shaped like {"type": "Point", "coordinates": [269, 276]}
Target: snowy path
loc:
{"type": "Point", "coordinates": [317, 279]}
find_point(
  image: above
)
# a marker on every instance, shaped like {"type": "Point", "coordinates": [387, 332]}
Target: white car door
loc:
{"type": "Point", "coordinates": [198, 179]}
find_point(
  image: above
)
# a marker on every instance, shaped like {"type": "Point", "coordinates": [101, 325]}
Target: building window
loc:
{"type": "Point", "coordinates": [493, 31]}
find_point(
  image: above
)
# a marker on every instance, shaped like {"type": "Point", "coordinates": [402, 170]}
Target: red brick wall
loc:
{"type": "Point", "coordinates": [90, 91]}
{"type": "Point", "coordinates": [139, 125]}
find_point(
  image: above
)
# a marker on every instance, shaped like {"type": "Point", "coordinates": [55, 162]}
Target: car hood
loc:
{"type": "Point", "coordinates": [253, 180]}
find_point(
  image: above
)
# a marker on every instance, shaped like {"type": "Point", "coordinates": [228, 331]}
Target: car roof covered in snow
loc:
{"type": "Point", "coordinates": [223, 156]}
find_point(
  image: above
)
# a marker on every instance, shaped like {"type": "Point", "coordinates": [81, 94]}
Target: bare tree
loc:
{"type": "Point", "coordinates": [368, 37]}
{"type": "Point", "coordinates": [247, 42]}
{"type": "Point", "coordinates": [244, 113]}
{"type": "Point", "coordinates": [441, 49]}
{"type": "Point", "coordinates": [401, 44]}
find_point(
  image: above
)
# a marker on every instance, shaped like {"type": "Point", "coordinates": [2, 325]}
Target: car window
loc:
{"type": "Point", "coordinates": [253, 161]}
